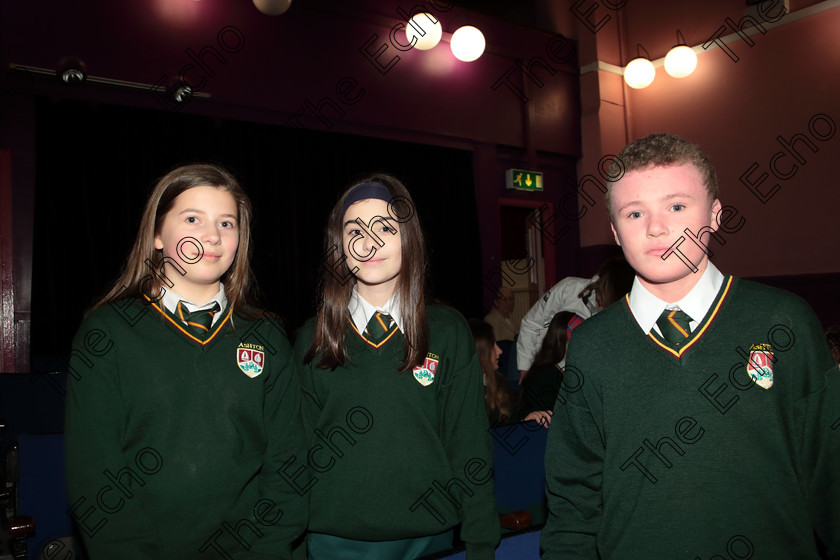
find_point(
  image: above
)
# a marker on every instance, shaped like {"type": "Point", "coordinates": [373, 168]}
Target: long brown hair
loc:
{"type": "Point", "coordinates": [497, 396]}
{"type": "Point", "coordinates": [336, 285]}
{"type": "Point", "coordinates": [615, 278]}
{"type": "Point", "coordinates": [142, 271]}
{"type": "Point", "coordinates": [553, 347]}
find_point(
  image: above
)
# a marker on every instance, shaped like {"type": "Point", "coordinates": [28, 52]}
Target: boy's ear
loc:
{"type": "Point", "coordinates": [615, 234]}
{"type": "Point", "coordinates": [716, 206]}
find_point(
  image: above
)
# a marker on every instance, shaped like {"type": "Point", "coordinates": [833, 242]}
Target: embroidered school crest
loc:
{"type": "Point", "coordinates": [760, 366]}
{"type": "Point", "coordinates": [250, 358]}
{"type": "Point", "coordinates": [425, 374]}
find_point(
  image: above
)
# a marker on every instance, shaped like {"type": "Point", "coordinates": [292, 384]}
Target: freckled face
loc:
{"type": "Point", "coordinates": [373, 246]}
{"type": "Point", "coordinates": [652, 209]}
{"type": "Point", "coordinates": [202, 219]}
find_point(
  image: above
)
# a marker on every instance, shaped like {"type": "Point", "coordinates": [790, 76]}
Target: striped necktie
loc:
{"type": "Point", "coordinates": [378, 327]}
{"type": "Point", "coordinates": [673, 323]}
{"type": "Point", "coordinates": [198, 322]}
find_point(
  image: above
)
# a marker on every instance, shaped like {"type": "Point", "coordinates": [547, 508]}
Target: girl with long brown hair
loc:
{"type": "Point", "coordinates": [500, 404]}
{"type": "Point", "coordinates": [392, 395]}
{"type": "Point", "coordinates": [180, 403]}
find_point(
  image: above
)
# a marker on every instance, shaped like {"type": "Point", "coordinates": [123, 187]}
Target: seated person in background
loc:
{"type": "Point", "coordinates": [501, 406]}
{"type": "Point", "coordinates": [578, 295]}
{"type": "Point", "coordinates": [542, 382]}
{"type": "Point", "coordinates": [505, 330]}
{"type": "Point", "coordinates": [500, 316]}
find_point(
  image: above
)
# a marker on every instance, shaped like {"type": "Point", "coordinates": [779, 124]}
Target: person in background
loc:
{"type": "Point", "coordinates": [500, 317]}
{"type": "Point", "coordinates": [501, 405]}
{"type": "Point", "coordinates": [505, 332]}
{"type": "Point", "coordinates": [542, 382]}
{"type": "Point", "coordinates": [578, 295]}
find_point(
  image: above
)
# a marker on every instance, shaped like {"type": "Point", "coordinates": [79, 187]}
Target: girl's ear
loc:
{"type": "Point", "coordinates": [158, 242]}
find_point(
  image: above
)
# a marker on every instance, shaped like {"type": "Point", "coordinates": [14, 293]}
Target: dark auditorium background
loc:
{"type": "Point", "coordinates": [301, 104]}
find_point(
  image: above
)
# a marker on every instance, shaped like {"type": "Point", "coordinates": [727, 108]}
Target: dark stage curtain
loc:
{"type": "Point", "coordinates": [96, 164]}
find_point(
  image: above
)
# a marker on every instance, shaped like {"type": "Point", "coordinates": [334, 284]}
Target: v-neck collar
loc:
{"type": "Point", "coordinates": [394, 330]}
{"type": "Point", "coordinates": [698, 332]}
{"type": "Point", "coordinates": [182, 328]}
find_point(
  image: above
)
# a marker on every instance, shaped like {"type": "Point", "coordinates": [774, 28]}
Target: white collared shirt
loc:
{"type": "Point", "coordinates": [362, 310]}
{"type": "Point", "coordinates": [170, 301]}
{"type": "Point", "coordinates": [647, 308]}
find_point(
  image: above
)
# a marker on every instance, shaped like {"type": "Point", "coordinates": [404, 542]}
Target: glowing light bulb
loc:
{"type": "Point", "coordinates": [426, 29]}
{"type": "Point", "coordinates": [467, 43]}
{"type": "Point", "coordinates": [639, 73]}
{"type": "Point", "coordinates": [273, 7]}
{"type": "Point", "coordinates": [680, 61]}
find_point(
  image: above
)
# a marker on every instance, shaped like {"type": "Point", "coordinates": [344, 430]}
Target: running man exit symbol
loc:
{"type": "Point", "coordinates": [523, 180]}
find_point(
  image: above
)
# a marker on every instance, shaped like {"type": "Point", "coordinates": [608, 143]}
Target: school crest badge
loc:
{"type": "Point", "coordinates": [251, 359]}
{"type": "Point", "coordinates": [760, 366]}
{"type": "Point", "coordinates": [425, 374]}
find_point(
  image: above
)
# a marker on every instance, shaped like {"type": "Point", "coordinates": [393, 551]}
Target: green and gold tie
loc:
{"type": "Point", "coordinates": [378, 328]}
{"type": "Point", "coordinates": [673, 323]}
{"type": "Point", "coordinates": [198, 322]}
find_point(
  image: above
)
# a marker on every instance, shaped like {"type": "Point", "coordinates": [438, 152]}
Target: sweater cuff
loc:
{"type": "Point", "coordinates": [481, 552]}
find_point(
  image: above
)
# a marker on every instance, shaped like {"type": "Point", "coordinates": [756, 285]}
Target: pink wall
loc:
{"type": "Point", "coordinates": [736, 111]}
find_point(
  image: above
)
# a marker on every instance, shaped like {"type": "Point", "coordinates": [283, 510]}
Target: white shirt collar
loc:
{"type": "Point", "coordinates": [647, 308]}
{"type": "Point", "coordinates": [170, 301]}
{"type": "Point", "coordinates": [361, 310]}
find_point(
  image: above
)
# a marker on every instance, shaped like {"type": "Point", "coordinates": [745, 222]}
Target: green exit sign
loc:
{"type": "Point", "coordinates": [523, 180]}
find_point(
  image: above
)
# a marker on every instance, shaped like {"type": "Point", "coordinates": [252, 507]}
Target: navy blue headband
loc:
{"type": "Point", "coordinates": [365, 191]}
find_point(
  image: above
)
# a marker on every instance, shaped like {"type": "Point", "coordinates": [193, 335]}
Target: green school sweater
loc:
{"type": "Point", "coordinates": [660, 456]}
{"type": "Point", "coordinates": [397, 454]}
{"type": "Point", "coordinates": [173, 443]}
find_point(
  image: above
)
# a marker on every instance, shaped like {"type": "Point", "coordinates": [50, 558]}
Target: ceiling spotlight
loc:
{"type": "Point", "coordinates": [273, 7]}
{"type": "Point", "coordinates": [72, 71]}
{"type": "Point", "coordinates": [467, 43]}
{"type": "Point", "coordinates": [73, 77]}
{"type": "Point", "coordinates": [681, 60]}
{"type": "Point", "coordinates": [425, 29]}
{"type": "Point", "coordinates": [183, 94]}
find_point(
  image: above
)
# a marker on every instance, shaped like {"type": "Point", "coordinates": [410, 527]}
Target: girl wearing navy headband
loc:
{"type": "Point", "coordinates": [392, 400]}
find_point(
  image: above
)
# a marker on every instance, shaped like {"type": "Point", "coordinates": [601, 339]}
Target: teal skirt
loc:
{"type": "Point", "coordinates": [329, 547]}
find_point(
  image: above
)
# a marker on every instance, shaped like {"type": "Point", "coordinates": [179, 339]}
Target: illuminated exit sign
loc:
{"type": "Point", "coordinates": [523, 180]}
